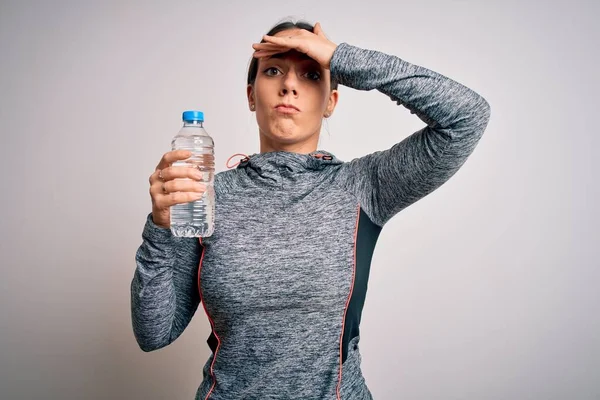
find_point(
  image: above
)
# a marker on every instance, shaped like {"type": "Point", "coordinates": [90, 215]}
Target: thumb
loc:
{"type": "Point", "coordinates": [318, 30]}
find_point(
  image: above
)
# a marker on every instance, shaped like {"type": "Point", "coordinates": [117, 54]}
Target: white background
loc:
{"type": "Point", "coordinates": [485, 289]}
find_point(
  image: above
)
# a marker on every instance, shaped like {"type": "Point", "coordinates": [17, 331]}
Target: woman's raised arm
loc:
{"type": "Point", "coordinates": [387, 181]}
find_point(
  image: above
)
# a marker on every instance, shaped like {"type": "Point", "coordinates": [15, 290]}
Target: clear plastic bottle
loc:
{"type": "Point", "coordinates": [197, 218]}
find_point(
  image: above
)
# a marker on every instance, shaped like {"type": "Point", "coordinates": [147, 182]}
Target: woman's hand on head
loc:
{"type": "Point", "coordinates": [315, 45]}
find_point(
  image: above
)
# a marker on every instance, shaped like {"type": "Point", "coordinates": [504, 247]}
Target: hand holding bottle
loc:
{"type": "Point", "coordinates": [168, 186]}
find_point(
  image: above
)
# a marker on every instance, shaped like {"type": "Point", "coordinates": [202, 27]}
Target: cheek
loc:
{"type": "Point", "coordinates": [264, 89]}
{"type": "Point", "coordinates": [322, 92]}
{"type": "Point", "coordinates": [314, 98]}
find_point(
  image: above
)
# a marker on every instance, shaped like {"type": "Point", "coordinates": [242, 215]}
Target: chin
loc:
{"type": "Point", "coordinates": [285, 131]}
{"type": "Point", "coordinates": [285, 138]}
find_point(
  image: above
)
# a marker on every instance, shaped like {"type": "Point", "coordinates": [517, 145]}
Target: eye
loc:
{"type": "Point", "coordinates": [267, 71]}
{"type": "Point", "coordinates": [313, 75]}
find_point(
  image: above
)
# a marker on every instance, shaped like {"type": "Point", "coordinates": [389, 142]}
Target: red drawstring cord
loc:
{"type": "Point", "coordinates": [236, 154]}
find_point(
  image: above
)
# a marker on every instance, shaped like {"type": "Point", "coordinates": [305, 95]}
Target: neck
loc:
{"type": "Point", "coordinates": [305, 147]}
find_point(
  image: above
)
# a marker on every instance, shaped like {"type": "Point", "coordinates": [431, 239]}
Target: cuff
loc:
{"type": "Point", "coordinates": [341, 64]}
{"type": "Point", "coordinates": [155, 233]}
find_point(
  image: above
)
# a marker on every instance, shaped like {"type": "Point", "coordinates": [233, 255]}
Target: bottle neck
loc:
{"type": "Point", "coordinates": [193, 124]}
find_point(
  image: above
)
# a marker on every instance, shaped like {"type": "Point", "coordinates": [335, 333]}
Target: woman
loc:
{"type": "Point", "coordinates": [283, 279]}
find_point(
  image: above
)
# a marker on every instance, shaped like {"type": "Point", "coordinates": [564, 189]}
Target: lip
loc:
{"type": "Point", "coordinates": [287, 108]}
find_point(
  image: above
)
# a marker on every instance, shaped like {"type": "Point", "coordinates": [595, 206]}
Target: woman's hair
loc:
{"type": "Point", "coordinates": [282, 26]}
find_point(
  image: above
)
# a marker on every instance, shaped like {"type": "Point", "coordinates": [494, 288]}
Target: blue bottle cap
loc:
{"type": "Point", "coordinates": [193, 116]}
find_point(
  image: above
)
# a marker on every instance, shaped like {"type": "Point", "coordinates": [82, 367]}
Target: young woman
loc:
{"type": "Point", "coordinates": [283, 279]}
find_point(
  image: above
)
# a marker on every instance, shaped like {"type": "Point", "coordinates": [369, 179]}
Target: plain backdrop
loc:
{"type": "Point", "coordinates": [485, 289]}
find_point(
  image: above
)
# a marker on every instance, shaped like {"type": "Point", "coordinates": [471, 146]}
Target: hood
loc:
{"type": "Point", "coordinates": [278, 166]}
{"type": "Point", "coordinates": [293, 162]}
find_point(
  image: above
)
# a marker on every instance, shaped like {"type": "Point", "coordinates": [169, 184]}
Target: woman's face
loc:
{"type": "Point", "coordinates": [293, 79]}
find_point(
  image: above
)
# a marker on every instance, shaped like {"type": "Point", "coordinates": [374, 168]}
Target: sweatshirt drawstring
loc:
{"type": "Point", "coordinates": [245, 158]}
{"type": "Point", "coordinates": [235, 165]}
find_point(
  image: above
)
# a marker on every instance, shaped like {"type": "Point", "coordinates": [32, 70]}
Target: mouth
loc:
{"type": "Point", "coordinates": [287, 108]}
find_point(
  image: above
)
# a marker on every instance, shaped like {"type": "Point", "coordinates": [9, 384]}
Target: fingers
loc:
{"type": "Point", "coordinates": [166, 194]}
{"type": "Point", "coordinates": [280, 44]}
{"type": "Point", "coordinates": [264, 53]}
{"type": "Point", "coordinates": [267, 46]}
{"type": "Point", "coordinates": [287, 41]}
{"type": "Point", "coordinates": [176, 172]}
{"type": "Point", "coordinates": [296, 41]}
{"type": "Point", "coordinates": [178, 184]}
{"type": "Point", "coordinates": [172, 156]}
{"type": "Point", "coordinates": [166, 201]}
{"type": "Point", "coordinates": [268, 49]}
{"type": "Point", "coordinates": [164, 171]}
{"type": "Point", "coordinates": [284, 41]}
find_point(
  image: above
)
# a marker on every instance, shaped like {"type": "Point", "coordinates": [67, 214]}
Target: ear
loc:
{"type": "Point", "coordinates": [251, 99]}
{"type": "Point", "coordinates": [331, 103]}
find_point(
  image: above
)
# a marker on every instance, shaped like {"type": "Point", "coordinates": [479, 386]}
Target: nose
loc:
{"type": "Point", "coordinates": [285, 91]}
{"type": "Point", "coordinates": [289, 83]}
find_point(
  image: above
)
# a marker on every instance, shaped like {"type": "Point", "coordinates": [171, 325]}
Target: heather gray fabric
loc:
{"type": "Point", "coordinates": [279, 273]}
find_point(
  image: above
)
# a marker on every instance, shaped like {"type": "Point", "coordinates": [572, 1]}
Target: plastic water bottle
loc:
{"type": "Point", "coordinates": [197, 218]}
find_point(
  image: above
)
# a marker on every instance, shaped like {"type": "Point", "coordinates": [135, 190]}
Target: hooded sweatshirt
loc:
{"type": "Point", "coordinates": [283, 279]}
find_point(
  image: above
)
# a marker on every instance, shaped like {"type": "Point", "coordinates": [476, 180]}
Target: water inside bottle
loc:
{"type": "Point", "coordinates": [195, 219]}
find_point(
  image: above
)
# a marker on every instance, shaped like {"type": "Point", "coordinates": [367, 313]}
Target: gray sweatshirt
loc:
{"type": "Point", "coordinates": [283, 279]}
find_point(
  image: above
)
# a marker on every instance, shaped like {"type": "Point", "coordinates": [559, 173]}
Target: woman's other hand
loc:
{"type": "Point", "coordinates": [315, 45]}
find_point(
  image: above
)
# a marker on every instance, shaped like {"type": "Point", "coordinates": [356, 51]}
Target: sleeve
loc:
{"type": "Point", "coordinates": [164, 293]}
{"type": "Point", "coordinates": [387, 181]}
